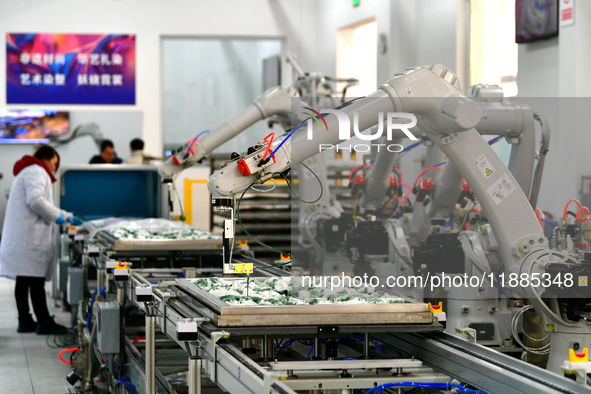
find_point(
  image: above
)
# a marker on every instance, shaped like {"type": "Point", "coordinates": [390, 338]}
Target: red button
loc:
{"type": "Point", "coordinates": [243, 168]}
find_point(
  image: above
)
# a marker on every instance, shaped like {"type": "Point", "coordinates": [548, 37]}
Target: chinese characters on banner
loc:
{"type": "Point", "coordinates": [70, 69]}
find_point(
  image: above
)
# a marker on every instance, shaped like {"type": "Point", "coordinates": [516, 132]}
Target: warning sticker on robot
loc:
{"type": "Point", "coordinates": [484, 166]}
{"type": "Point", "coordinates": [501, 189]}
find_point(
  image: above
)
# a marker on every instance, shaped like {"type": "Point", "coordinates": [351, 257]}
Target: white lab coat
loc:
{"type": "Point", "coordinates": [28, 238]}
{"type": "Point", "coordinates": [137, 157]}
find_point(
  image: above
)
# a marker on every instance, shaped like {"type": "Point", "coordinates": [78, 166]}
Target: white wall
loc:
{"type": "Point", "coordinates": [558, 69]}
{"type": "Point", "coordinates": [152, 19]}
{"type": "Point", "coordinates": [208, 81]}
{"type": "Point", "coordinates": [418, 32]}
{"type": "Point", "coordinates": [292, 21]}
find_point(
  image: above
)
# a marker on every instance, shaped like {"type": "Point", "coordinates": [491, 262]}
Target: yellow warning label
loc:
{"type": "Point", "coordinates": [484, 166]}
{"type": "Point", "coordinates": [583, 281]}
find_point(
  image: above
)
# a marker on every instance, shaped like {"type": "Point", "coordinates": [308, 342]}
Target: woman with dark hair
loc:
{"type": "Point", "coordinates": [28, 238]}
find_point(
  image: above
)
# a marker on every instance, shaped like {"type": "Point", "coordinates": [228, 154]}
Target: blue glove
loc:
{"type": "Point", "coordinates": [75, 221]}
{"type": "Point", "coordinates": [60, 220]}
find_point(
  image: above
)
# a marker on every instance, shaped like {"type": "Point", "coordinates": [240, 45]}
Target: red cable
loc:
{"type": "Point", "coordinates": [268, 149]}
{"type": "Point", "coordinates": [424, 171]}
{"type": "Point", "coordinates": [398, 170]}
{"type": "Point", "coordinates": [406, 195]}
{"type": "Point", "coordinates": [138, 339]}
{"type": "Point", "coordinates": [567, 204]}
{"type": "Point", "coordinates": [353, 170]}
{"type": "Point", "coordinates": [192, 145]}
{"type": "Point", "coordinates": [584, 210]}
{"type": "Point", "coordinates": [539, 217]}
{"type": "Point", "coordinates": [59, 355]}
{"type": "Point", "coordinates": [406, 186]}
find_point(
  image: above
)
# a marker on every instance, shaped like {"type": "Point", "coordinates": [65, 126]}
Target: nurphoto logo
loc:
{"type": "Point", "coordinates": [394, 121]}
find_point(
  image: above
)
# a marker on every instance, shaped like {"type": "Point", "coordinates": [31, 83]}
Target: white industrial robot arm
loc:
{"type": "Point", "coordinates": [448, 119]}
{"type": "Point", "coordinates": [514, 122]}
{"type": "Point", "coordinates": [441, 108]}
{"type": "Point", "coordinates": [92, 129]}
{"type": "Point", "coordinates": [274, 101]}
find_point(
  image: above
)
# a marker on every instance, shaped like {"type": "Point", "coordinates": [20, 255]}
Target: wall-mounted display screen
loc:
{"type": "Point", "coordinates": [535, 20]}
{"type": "Point", "coordinates": [70, 69]}
{"type": "Point", "coordinates": [32, 125]}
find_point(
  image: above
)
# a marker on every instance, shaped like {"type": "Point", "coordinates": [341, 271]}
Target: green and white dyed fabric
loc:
{"type": "Point", "coordinates": [149, 234]}
{"type": "Point", "coordinates": [280, 291]}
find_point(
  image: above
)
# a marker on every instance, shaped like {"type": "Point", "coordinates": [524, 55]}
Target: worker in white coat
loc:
{"type": "Point", "coordinates": [136, 147]}
{"type": "Point", "coordinates": [28, 239]}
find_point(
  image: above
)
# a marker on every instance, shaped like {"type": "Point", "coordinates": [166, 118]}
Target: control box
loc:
{"type": "Point", "coordinates": [108, 334]}
{"type": "Point", "coordinates": [75, 285]}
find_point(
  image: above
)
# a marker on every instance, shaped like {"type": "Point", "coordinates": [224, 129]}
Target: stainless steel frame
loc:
{"type": "Point", "coordinates": [225, 315]}
{"type": "Point", "coordinates": [128, 245]}
{"type": "Point", "coordinates": [490, 371]}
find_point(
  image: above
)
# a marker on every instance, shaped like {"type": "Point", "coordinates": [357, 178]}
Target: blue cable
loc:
{"type": "Point", "coordinates": [102, 293]}
{"type": "Point", "coordinates": [286, 138]}
{"type": "Point", "coordinates": [408, 149]}
{"type": "Point", "coordinates": [127, 384]}
{"type": "Point", "coordinates": [175, 379]}
{"type": "Point", "coordinates": [551, 224]}
{"type": "Point", "coordinates": [499, 282]}
{"type": "Point", "coordinates": [492, 141]}
{"type": "Point", "coordinates": [378, 345]}
{"type": "Point", "coordinates": [466, 390]}
{"type": "Point", "coordinates": [203, 132]}
{"type": "Point", "coordinates": [495, 140]}
{"type": "Point", "coordinates": [410, 384]}
{"type": "Point", "coordinates": [194, 141]}
{"type": "Point", "coordinates": [310, 352]}
{"type": "Point", "coordinates": [355, 172]}
{"type": "Point", "coordinates": [392, 350]}
{"type": "Point", "coordinates": [90, 312]}
{"type": "Point", "coordinates": [181, 275]}
{"type": "Point", "coordinates": [350, 359]}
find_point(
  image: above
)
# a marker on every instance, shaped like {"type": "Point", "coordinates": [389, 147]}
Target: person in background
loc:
{"type": "Point", "coordinates": [136, 146]}
{"type": "Point", "coordinates": [28, 240]}
{"type": "Point", "coordinates": [107, 155]}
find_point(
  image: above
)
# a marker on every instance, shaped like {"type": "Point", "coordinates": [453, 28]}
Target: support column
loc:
{"type": "Point", "coordinates": [194, 375]}
{"type": "Point", "coordinates": [150, 354]}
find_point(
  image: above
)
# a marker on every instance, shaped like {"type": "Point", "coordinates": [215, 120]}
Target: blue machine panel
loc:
{"type": "Point", "coordinates": [93, 194]}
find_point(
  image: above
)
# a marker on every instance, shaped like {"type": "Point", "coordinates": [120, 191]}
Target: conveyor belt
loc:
{"type": "Point", "coordinates": [488, 370]}
{"type": "Point", "coordinates": [510, 368]}
{"type": "Point", "coordinates": [246, 362]}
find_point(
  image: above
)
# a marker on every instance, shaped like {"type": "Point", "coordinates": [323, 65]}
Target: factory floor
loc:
{"type": "Point", "coordinates": [27, 364]}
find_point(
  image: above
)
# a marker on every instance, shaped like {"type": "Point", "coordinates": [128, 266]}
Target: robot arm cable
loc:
{"type": "Point", "coordinates": [288, 185]}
